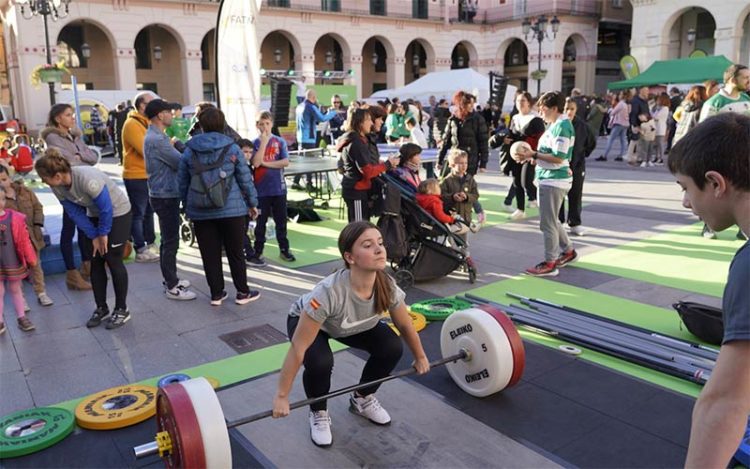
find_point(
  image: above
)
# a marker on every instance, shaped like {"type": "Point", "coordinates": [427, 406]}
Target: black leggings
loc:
{"type": "Point", "coordinates": [383, 345]}
{"type": "Point", "coordinates": [523, 185]}
{"type": "Point", "coordinates": [118, 236]}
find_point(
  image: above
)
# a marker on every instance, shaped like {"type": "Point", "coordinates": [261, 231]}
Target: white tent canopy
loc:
{"type": "Point", "coordinates": [445, 84]}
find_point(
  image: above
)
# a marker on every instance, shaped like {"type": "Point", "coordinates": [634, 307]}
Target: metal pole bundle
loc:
{"type": "Point", "coordinates": [637, 345]}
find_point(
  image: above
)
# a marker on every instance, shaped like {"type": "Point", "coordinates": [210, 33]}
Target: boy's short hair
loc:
{"type": "Point", "coordinates": [552, 99]}
{"type": "Point", "coordinates": [243, 142]}
{"type": "Point", "coordinates": [720, 143]}
{"type": "Point", "coordinates": [425, 186]}
{"type": "Point", "coordinates": [454, 154]}
{"type": "Point", "coordinates": [264, 115]}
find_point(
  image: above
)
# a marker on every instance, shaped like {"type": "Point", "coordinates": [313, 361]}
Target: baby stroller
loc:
{"type": "Point", "coordinates": [432, 250]}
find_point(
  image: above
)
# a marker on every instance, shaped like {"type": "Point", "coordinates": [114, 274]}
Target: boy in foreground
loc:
{"type": "Point", "coordinates": [712, 165]}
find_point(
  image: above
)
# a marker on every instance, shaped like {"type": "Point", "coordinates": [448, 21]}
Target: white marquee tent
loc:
{"type": "Point", "coordinates": [445, 84]}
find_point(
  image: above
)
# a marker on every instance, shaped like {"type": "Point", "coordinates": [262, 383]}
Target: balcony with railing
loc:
{"type": "Point", "coordinates": [414, 9]}
{"type": "Point", "coordinates": [519, 9]}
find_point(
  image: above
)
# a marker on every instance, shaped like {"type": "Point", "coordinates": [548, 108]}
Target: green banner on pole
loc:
{"type": "Point", "coordinates": [629, 67]}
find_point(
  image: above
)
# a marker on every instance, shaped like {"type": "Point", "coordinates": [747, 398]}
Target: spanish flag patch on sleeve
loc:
{"type": "Point", "coordinates": [314, 304]}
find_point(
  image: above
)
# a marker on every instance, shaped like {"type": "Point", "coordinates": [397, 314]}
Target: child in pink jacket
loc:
{"type": "Point", "coordinates": [16, 256]}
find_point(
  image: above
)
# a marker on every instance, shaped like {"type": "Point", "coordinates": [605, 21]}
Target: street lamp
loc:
{"type": "Point", "coordinates": [460, 61]}
{"type": "Point", "coordinates": [85, 51]}
{"type": "Point", "coordinates": [329, 57]}
{"type": "Point", "coordinates": [157, 53]}
{"type": "Point", "coordinates": [277, 56]}
{"type": "Point", "coordinates": [375, 58]}
{"type": "Point", "coordinates": [55, 9]}
{"type": "Point", "coordinates": [539, 31]}
{"type": "Point", "coordinates": [415, 60]}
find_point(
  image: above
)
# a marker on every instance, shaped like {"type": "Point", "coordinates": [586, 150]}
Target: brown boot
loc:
{"type": "Point", "coordinates": [74, 281]}
{"type": "Point", "coordinates": [85, 270]}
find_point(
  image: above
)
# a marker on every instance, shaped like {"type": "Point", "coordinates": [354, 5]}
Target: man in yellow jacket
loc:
{"type": "Point", "coordinates": [136, 180]}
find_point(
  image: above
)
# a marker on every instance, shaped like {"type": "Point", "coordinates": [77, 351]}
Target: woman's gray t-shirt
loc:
{"type": "Point", "coordinates": [340, 312]}
{"type": "Point", "coordinates": [86, 185]}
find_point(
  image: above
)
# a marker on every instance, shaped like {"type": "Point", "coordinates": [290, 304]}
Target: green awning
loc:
{"type": "Point", "coordinates": [668, 72]}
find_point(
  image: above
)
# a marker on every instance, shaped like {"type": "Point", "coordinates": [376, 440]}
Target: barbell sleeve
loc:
{"type": "Point", "coordinates": [462, 355]}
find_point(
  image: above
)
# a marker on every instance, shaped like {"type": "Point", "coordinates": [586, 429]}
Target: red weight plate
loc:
{"type": "Point", "coordinates": [516, 344]}
{"type": "Point", "coordinates": [175, 414]}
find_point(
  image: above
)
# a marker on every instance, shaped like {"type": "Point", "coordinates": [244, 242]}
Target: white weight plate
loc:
{"type": "Point", "coordinates": [491, 365]}
{"type": "Point", "coordinates": [214, 432]}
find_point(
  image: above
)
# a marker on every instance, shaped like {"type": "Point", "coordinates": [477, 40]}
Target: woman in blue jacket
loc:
{"type": "Point", "coordinates": [218, 193]}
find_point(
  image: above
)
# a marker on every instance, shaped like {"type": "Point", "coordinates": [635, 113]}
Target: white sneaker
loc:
{"type": "Point", "coordinates": [153, 247]}
{"type": "Point", "coordinates": [644, 164]}
{"type": "Point", "coordinates": [518, 215]}
{"type": "Point", "coordinates": [44, 299]}
{"type": "Point", "coordinates": [577, 230]}
{"type": "Point", "coordinates": [650, 164]}
{"type": "Point", "coordinates": [508, 207]}
{"type": "Point", "coordinates": [184, 284]}
{"type": "Point", "coordinates": [320, 428]}
{"type": "Point", "coordinates": [179, 293]}
{"type": "Point", "coordinates": [533, 204]}
{"type": "Point", "coordinates": [146, 256]}
{"type": "Point", "coordinates": [369, 408]}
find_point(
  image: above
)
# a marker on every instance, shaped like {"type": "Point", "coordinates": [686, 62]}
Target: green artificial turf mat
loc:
{"type": "Point", "coordinates": [316, 242]}
{"type": "Point", "coordinates": [680, 259]}
{"type": "Point", "coordinates": [227, 370]}
{"type": "Point", "coordinates": [659, 320]}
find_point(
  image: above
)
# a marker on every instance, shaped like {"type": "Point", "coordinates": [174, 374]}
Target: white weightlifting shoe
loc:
{"type": "Point", "coordinates": [320, 428]}
{"type": "Point", "coordinates": [369, 408]}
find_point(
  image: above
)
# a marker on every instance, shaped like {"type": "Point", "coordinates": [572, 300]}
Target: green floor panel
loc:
{"type": "Point", "coordinates": [228, 370]}
{"type": "Point", "coordinates": [656, 319]}
{"type": "Point", "coordinates": [680, 259]}
{"type": "Point", "coordinates": [317, 242]}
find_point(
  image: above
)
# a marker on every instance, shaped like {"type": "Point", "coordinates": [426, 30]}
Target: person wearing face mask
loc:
{"type": "Point", "coordinates": [61, 133]}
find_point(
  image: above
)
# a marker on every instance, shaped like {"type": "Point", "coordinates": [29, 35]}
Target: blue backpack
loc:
{"type": "Point", "coordinates": [209, 183]}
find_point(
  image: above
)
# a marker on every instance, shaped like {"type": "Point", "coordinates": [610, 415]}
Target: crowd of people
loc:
{"type": "Point", "coordinates": [224, 182]}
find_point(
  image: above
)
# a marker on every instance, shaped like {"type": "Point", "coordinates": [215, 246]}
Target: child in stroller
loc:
{"type": "Point", "coordinates": [429, 198]}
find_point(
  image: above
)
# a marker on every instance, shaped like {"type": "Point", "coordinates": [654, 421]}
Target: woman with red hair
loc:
{"type": "Point", "coordinates": [466, 130]}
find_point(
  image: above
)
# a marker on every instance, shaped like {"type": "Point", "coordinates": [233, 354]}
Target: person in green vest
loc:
{"type": "Point", "coordinates": [180, 127]}
{"type": "Point", "coordinates": [733, 97]}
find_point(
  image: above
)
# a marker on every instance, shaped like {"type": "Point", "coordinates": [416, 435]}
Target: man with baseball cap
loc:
{"type": "Point", "coordinates": [162, 162]}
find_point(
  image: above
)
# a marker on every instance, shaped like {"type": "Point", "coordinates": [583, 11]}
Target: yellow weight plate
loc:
{"type": "Point", "coordinates": [117, 407]}
{"type": "Point", "coordinates": [214, 382]}
{"type": "Point", "coordinates": [418, 321]}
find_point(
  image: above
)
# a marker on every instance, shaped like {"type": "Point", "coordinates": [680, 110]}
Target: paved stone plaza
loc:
{"type": "Point", "coordinates": [64, 360]}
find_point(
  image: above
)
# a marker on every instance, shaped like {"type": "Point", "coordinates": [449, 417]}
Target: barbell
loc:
{"type": "Point", "coordinates": [481, 349]}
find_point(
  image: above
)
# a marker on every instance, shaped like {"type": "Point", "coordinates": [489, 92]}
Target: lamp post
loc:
{"type": "Point", "coordinates": [54, 9]}
{"type": "Point", "coordinates": [539, 31]}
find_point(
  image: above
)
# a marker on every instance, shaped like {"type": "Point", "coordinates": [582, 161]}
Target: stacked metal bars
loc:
{"type": "Point", "coordinates": [676, 357]}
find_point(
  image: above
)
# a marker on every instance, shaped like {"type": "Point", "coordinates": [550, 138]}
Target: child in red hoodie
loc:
{"type": "Point", "coordinates": [428, 197]}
